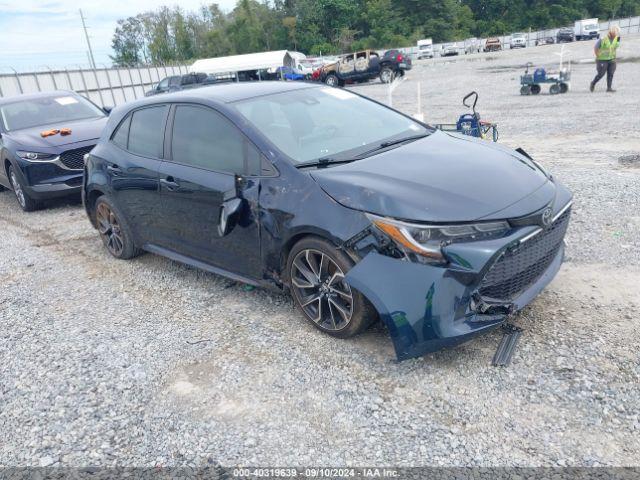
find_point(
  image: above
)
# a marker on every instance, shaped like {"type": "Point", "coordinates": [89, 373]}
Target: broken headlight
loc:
{"type": "Point", "coordinates": [428, 240]}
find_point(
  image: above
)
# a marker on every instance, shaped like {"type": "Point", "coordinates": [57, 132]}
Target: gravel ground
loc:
{"type": "Point", "coordinates": [151, 363]}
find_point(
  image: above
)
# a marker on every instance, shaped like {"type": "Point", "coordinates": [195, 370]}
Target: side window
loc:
{"type": "Point", "coordinates": [164, 84]}
{"type": "Point", "coordinates": [121, 135]}
{"type": "Point", "coordinates": [146, 133]}
{"type": "Point", "coordinates": [203, 138]}
{"type": "Point", "coordinates": [174, 81]}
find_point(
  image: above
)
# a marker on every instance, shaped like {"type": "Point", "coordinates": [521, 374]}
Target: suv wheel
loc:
{"type": "Point", "coordinates": [386, 75]}
{"type": "Point", "coordinates": [332, 80]}
{"type": "Point", "coordinates": [114, 230]}
{"type": "Point", "coordinates": [316, 271]}
{"type": "Point", "coordinates": [27, 203]}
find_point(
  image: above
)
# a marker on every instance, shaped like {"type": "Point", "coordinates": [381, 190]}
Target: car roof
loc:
{"type": "Point", "coordinates": [32, 96]}
{"type": "Point", "coordinates": [230, 92]}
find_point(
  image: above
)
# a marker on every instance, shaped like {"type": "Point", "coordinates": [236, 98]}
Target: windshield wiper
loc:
{"type": "Point", "coordinates": [391, 143]}
{"type": "Point", "coordinates": [324, 162]}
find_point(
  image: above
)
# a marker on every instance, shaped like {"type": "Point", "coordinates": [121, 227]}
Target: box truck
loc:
{"type": "Point", "coordinates": [425, 48]}
{"type": "Point", "coordinates": [586, 29]}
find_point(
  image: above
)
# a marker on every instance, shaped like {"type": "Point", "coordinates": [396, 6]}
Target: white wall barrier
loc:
{"type": "Point", "coordinates": [104, 86]}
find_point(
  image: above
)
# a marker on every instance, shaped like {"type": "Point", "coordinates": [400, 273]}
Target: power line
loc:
{"type": "Point", "coordinates": [84, 26]}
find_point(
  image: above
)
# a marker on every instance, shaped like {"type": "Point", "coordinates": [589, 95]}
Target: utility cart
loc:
{"type": "Point", "coordinates": [531, 82]}
{"type": "Point", "coordinates": [470, 123]}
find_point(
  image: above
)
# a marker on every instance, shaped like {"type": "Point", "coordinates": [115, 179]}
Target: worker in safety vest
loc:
{"type": "Point", "coordinates": [605, 51]}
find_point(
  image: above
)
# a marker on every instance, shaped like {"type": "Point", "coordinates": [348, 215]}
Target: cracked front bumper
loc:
{"type": "Point", "coordinates": [428, 307]}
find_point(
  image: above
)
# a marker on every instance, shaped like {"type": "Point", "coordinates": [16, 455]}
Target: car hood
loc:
{"type": "Point", "coordinates": [441, 178]}
{"type": "Point", "coordinates": [81, 130]}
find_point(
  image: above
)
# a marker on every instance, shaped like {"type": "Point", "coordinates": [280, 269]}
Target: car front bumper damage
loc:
{"type": "Point", "coordinates": [429, 307]}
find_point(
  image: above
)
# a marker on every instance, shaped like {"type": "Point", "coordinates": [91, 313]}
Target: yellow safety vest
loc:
{"type": "Point", "coordinates": [608, 47]}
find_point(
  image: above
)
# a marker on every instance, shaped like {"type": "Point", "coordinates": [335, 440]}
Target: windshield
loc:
{"type": "Point", "coordinates": [316, 123]}
{"type": "Point", "coordinates": [47, 110]}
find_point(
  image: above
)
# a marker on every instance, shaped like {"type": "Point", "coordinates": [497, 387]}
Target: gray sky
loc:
{"type": "Point", "coordinates": [49, 33]}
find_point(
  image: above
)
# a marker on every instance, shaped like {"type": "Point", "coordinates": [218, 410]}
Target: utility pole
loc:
{"type": "Point", "coordinates": [86, 35]}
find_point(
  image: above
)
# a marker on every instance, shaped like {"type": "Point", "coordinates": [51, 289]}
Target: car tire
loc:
{"type": "Point", "coordinates": [315, 272]}
{"type": "Point", "coordinates": [114, 230]}
{"type": "Point", "coordinates": [27, 203]}
{"type": "Point", "coordinates": [386, 75]}
{"type": "Point", "coordinates": [332, 80]}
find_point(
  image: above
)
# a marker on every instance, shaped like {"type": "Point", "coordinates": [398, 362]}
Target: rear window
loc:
{"type": "Point", "coordinates": [146, 133]}
{"type": "Point", "coordinates": [121, 136]}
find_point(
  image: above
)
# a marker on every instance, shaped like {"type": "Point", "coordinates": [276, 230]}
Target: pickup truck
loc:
{"type": "Point", "coordinates": [181, 82]}
{"type": "Point", "coordinates": [492, 44]}
{"type": "Point", "coordinates": [363, 66]}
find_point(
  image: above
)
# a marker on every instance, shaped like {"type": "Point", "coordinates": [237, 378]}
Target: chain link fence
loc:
{"type": "Point", "coordinates": [104, 86]}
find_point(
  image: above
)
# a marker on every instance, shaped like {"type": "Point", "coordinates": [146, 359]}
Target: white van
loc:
{"type": "Point", "coordinates": [586, 29]}
{"type": "Point", "coordinates": [425, 48]}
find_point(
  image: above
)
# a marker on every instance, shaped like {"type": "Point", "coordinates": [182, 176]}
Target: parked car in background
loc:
{"type": "Point", "coordinates": [492, 44]}
{"type": "Point", "coordinates": [175, 83]}
{"type": "Point", "coordinates": [43, 139]}
{"type": "Point", "coordinates": [545, 41]}
{"type": "Point", "coordinates": [357, 210]}
{"type": "Point", "coordinates": [363, 66]}
{"type": "Point", "coordinates": [565, 35]}
{"type": "Point", "coordinates": [472, 45]}
{"type": "Point", "coordinates": [288, 73]}
{"type": "Point", "coordinates": [397, 61]}
{"type": "Point", "coordinates": [450, 49]}
{"type": "Point", "coordinates": [425, 48]}
{"type": "Point", "coordinates": [586, 29]}
{"type": "Point", "coordinates": [518, 40]}
{"type": "Point", "coordinates": [306, 67]}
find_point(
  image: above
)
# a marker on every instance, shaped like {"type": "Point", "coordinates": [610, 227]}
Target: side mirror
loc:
{"type": "Point", "coordinates": [107, 110]}
{"type": "Point", "coordinates": [229, 216]}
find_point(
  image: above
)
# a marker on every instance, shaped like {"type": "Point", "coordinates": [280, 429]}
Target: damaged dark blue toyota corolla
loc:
{"type": "Point", "coordinates": [358, 210]}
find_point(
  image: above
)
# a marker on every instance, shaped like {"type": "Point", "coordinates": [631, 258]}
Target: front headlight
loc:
{"type": "Point", "coordinates": [428, 240]}
{"type": "Point", "coordinates": [37, 157]}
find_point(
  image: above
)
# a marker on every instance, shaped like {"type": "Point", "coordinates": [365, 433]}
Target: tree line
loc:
{"type": "Point", "coordinates": [324, 27]}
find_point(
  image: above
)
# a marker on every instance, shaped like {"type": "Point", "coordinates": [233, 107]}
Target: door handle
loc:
{"type": "Point", "coordinates": [170, 183]}
{"type": "Point", "coordinates": [115, 169]}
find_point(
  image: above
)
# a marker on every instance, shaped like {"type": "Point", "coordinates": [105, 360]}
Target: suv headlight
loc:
{"type": "Point", "coordinates": [37, 157]}
{"type": "Point", "coordinates": [428, 240]}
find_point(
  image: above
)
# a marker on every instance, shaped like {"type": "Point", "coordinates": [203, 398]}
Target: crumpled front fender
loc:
{"type": "Point", "coordinates": [427, 307]}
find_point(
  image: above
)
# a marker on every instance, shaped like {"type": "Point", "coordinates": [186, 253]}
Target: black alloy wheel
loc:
{"type": "Point", "coordinates": [324, 296]}
{"type": "Point", "coordinates": [316, 272]}
{"type": "Point", "coordinates": [110, 230]}
{"type": "Point", "coordinates": [114, 231]}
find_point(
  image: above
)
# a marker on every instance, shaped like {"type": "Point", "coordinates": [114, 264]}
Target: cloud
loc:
{"type": "Point", "coordinates": [36, 34]}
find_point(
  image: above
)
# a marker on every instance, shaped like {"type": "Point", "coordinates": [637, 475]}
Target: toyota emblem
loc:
{"type": "Point", "coordinates": [546, 217]}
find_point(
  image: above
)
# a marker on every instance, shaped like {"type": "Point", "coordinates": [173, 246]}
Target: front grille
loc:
{"type": "Point", "coordinates": [74, 159]}
{"type": "Point", "coordinates": [521, 266]}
